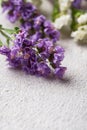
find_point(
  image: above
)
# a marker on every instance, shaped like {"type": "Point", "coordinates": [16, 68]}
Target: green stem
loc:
{"type": "Point", "coordinates": [56, 10]}
{"type": "Point", "coordinates": [5, 35]}
{"type": "Point", "coordinates": [75, 14]}
{"type": "Point", "coordinates": [8, 39]}
{"type": "Point", "coordinates": [1, 2]}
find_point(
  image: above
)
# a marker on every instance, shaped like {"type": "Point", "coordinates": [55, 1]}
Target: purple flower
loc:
{"type": "Point", "coordinates": [59, 49]}
{"type": "Point", "coordinates": [52, 33]}
{"type": "Point", "coordinates": [13, 8]}
{"type": "Point", "coordinates": [43, 69]}
{"type": "Point", "coordinates": [58, 55]}
{"type": "Point", "coordinates": [26, 25]}
{"type": "Point", "coordinates": [46, 44]}
{"type": "Point", "coordinates": [38, 22]}
{"type": "Point", "coordinates": [4, 50]}
{"type": "Point", "coordinates": [27, 11]}
{"type": "Point", "coordinates": [57, 58]}
{"type": "Point", "coordinates": [36, 36]}
{"type": "Point", "coordinates": [77, 4]}
{"type": "Point", "coordinates": [16, 2]}
{"type": "Point", "coordinates": [13, 16]}
{"type": "Point", "coordinates": [59, 72]}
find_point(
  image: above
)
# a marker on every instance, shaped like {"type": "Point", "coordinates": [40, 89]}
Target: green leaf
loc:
{"type": "Point", "coordinates": [55, 10]}
{"type": "Point", "coordinates": [16, 29]}
{"type": "Point", "coordinates": [0, 26]}
{"type": "Point", "coordinates": [8, 42]}
{"type": "Point", "coordinates": [1, 43]}
{"type": "Point", "coordinates": [9, 31]}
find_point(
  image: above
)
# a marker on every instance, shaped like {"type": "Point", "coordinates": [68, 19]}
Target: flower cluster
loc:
{"type": "Point", "coordinates": [77, 4]}
{"type": "Point", "coordinates": [65, 13]}
{"type": "Point", "coordinates": [72, 18]}
{"type": "Point", "coordinates": [34, 49]}
{"type": "Point", "coordinates": [41, 57]}
{"type": "Point", "coordinates": [80, 35]}
{"type": "Point", "coordinates": [30, 19]}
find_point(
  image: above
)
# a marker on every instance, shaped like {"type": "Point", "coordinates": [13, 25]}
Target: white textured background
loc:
{"type": "Point", "coordinates": [31, 103]}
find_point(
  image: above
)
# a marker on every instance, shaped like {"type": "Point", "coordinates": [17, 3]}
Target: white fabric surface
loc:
{"type": "Point", "coordinates": [32, 103]}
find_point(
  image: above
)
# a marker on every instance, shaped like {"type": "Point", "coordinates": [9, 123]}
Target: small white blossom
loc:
{"type": "Point", "coordinates": [63, 21]}
{"type": "Point", "coordinates": [81, 34]}
{"type": "Point", "coordinates": [35, 2]}
{"type": "Point", "coordinates": [82, 19]}
{"type": "Point", "coordinates": [65, 4]}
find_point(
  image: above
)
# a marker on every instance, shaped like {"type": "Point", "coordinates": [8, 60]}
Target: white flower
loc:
{"type": "Point", "coordinates": [81, 34]}
{"type": "Point", "coordinates": [63, 21]}
{"type": "Point", "coordinates": [35, 2]}
{"type": "Point", "coordinates": [82, 19]}
{"type": "Point", "coordinates": [64, 4]}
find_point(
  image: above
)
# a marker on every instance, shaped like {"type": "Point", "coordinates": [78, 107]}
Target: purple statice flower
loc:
{"type": "Point", "coordinates": [5, 50]}
{"type": "Point", "coordinates": [16, 2]}
{"type": "Point", "coordinates": [58, 55]}
{"type": "Point", "coordinates": [36, 36]}
{"type": "Point", "coordinates": [27, 11]}
{"type": "Point", "coordinates": [34, 49]}
{"type": "Point", "coordinates": [26, 25]}
{"type": "Point", "coordinates": [77, 4]}
{"type": "Point", "coordinates": [38, 22]}
{"type": "Point", "coordinates": [41, 57]}
{"type": "Point", "coordinates": [43, 69]}
{"type": "Point", "coordinates": [60, 72]}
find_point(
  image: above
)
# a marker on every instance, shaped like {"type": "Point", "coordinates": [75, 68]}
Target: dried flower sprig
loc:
{"type": "Point", "coordinates": [42, 57]}
{"type": "Point", "coordinates": [33, 48]}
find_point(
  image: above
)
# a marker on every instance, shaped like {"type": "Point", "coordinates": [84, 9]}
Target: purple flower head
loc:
{"type": "Point", "coordinates": [13, 16]}
{"type": "Point", "coordinates": [57, 58]}
{"type": "Point", "coordinates": [58, 55]}
{"type": "Point", "coordinates": [77, 4]}
{"type": "Point", "coordinates": [26, 25]}
{"type": "Point", "coordinates": [59, 49]}
{"type": "Point", "coordinates": [39, 21]}
{"type": "Point", "coordinates": [48, 24]}
{"type": "Point", "coordinates": [59, 72]}
{"type": "Point", "coordinates": [27, 10]}
{"type": "Point", "coordinates": [4, 50]}
{"type": "Point", "coordinates": [6, 6]}
{"type": "Point", "coordinates": [43, 69]}
{"type": "Point", "coordinates": [16, 2]}
{"type": "Point", "coordinates": [52, 33]}
{"type": "Point", "coordinates": [36, 37]}
{"type": "Point", "coordinates": [45, 45]}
